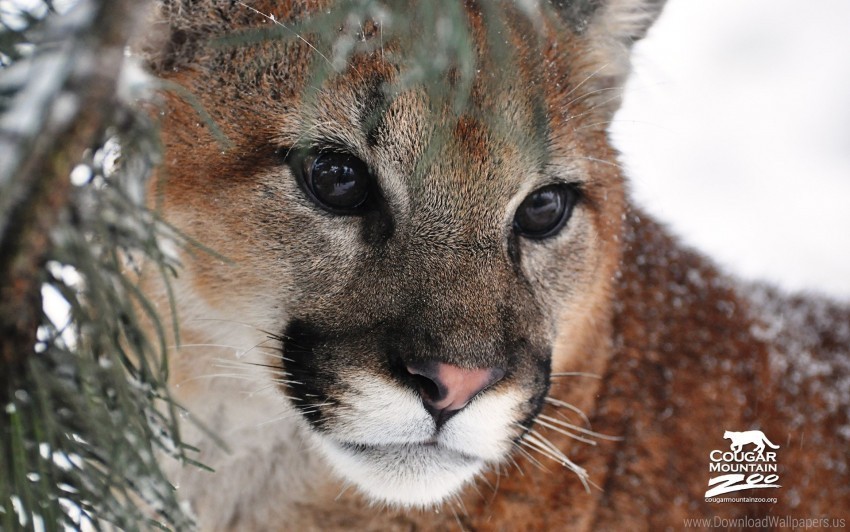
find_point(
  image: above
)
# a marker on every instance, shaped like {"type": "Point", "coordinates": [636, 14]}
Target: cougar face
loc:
{"type": "Point", "coordinates": [418, 268]}
{"type": "Point", "coordinates": [419, 344]}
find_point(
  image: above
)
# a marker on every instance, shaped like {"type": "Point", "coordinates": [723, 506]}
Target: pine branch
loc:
{"type": "Point", "coordinates": [61, 111]}
{"type": "Point", "coordinates": [85, 408]}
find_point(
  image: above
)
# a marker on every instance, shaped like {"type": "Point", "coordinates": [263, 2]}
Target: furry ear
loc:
{"type": "Point", "coordinates": [616, 26]}
{"type": "Point", "coordinates": [607, 29]}
{"type": "Point", "coordinates": [626, 21]}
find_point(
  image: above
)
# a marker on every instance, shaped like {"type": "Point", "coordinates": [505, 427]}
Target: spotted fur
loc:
{"type": "Point", "coordinates": [626, 355]}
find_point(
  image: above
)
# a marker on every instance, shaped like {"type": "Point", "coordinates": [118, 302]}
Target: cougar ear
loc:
{"type": "Point", "coordinates": [626, 21]}
{"type": "Point", "coordinates": [608, 29]}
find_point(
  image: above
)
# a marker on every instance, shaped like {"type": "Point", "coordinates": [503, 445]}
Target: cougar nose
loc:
{"type": "Point", "coordinates": [446, 389]}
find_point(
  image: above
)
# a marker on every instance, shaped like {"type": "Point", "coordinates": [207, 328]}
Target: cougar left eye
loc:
{"type": "Point", "coordinates": [545, 211]}
{"type": "Point", "coordinates": [339, 182]}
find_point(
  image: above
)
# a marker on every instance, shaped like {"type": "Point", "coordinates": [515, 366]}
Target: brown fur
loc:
{"type": "Point", "coordinates": [682, 351]}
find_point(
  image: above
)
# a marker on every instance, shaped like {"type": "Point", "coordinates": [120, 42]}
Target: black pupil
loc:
{"type": "Point", "coordinates": [340, 181]}
{"type": "Point", "coordinates": [542, 211]}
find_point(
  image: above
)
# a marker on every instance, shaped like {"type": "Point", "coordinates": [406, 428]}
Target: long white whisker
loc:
{"type": "Point", "coordinates": [573, 408]}
{"type": "Point", "coordinates": [235, 322]}
{"type": "Point", "coordinates": [282, 25]}
{"type": "Point", "coordinates": [546, 446]}
{"type": "Point", "coordinates": [594, 108]}
{"type": "Point", "coordinates": [283, 381]}
{"type": "Point", "coordinates": [570, 426]}
{"type": "Point", "coordinates": [278, 354]}
{"type": "Point", "coordinates": [514, 462]}
{"type": "Point", "coordinates": [542, 445]}
{"type": "Point", "coordinates": [454, 500]}
{"type": "Point", "coordinates": [256, 346]}
{"type": "Point", "coordinates": [529, 457]}
{"type": "Point", "coordinates": [543, 452]}
{"type": "Point", "coordinates": [345, 487]}
{"type": "Point", "coordinates": [262, 389]}
{"type": "Point", "coordinates": [498, 482]}
{"type": "Point", "coordinates": [576, 374]}
{"type": "Point", "coordinates": [601, 161]}
{"type": "Point", "coordinates": [247, 366]}
{"type": "Point", "coordinates": [565, 432]}
{"type": "Point", "coordinates": [236, 376]}
{"type": "Point", "coordinates": [588, 78]}
{"type": "Point", "coordinates": [590, 93]}
{"type": "Point", "coordinates": [181, 346]}
{"type": "Point", "coordinates": [309, 410]}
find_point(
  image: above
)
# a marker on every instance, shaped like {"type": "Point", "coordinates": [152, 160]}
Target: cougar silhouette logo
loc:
{"type": "Point", "coordinates": [756, 437]}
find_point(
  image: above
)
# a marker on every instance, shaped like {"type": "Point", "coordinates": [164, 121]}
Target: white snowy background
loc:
{"type": "Point", "coordinates": [735, 131]}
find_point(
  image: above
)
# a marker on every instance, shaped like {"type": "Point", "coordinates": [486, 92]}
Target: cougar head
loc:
{"type": "Point", "coordinates": [418, 264]}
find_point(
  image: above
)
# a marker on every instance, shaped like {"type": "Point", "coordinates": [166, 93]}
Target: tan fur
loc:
{"type": "Point", "coordinates": [662, 351]}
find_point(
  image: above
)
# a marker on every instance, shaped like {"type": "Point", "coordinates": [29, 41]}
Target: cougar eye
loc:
{"type": "Point", "coordinates": [338, 182]}
{"type": "Point", "coordinates": [545, 211]}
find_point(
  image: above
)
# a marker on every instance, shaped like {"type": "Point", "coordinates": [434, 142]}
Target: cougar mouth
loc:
{"type": "Point", "coordinates": [393, 449]}
{"type": "Point", "coordinates": [375, 423]}
{"type": "Point", "coordinates": [415, 474]}
{"type": "Point", "coordinates": [404, 449]}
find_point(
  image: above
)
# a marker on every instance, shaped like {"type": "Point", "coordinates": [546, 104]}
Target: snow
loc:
{"type": "Point", "coordinates": [736, 131]}
{"type": "Point", "coordinates": [25, 115]}
{"type": "Point", "coordinates": [794, 332]}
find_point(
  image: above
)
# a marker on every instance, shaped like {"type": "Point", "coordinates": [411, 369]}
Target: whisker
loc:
{"type": "Point", "coordinates": [345, 487]}
{"type": "Point", "coordinates": [241, 323]}
{"type": "Point", "coordinates": [576, 374]}
{"type": "Point", "coordinates": [261, 390]}
{"type": "Point", "coordinates": [498, 482]}
{"type": "Point", "coordinates": [532, 459]}
{"type": "Point", "coordinates": [239, 353]}
{"type": "Point", "coordinates": [577, 469]}
{"type": "Point", "coordinates": [565, 432]}
{"type": "Point", "coordinates": [457, 517]}
{"type": "Point", "coordinates": [284, 381]}
{"type": "Point", "coordinates": [181, 346]}
{"type": "Point", "coordinates": [590, 93]}
{"type": "Point", "coordinates": [514, 462]}
{"type": "Point", "coordinates": [281, 24]}
{"type": "Point", "coordinates": [238, 364]}
{"type": "Point", "coordinates": [484, 479]}
{"type": "Point", "coordinates": [481, 476]}
{"type": "Point", "coordinates": [236, 376]}
{"type": "Point", "coordinates": [595, 107]}
{"type": "Point", "coordinates": [541, 450]}
{"type": "Point", "coordinates": [275, 369]}
{"type": "Point", "coordinates": [278, 356]}
{"type": "Point", "coordinates": [573, 408]}
{"type": "Point", "coordinates": [602, 161]}
{"type": "Point", "coordinates": [309, 410]}
{"type": "Point", "coordinates": [585, 80]}
{"type": "Point", "coordinates": [580, 429]}
{"type": "Point", "coordinates": [461, 505]}
{"type": "Point", "coordinates": [536, 443]}
{"type": "Point", "coordinates": [547, 448]}
{"type": "Point", "coordinates": [256, 346]}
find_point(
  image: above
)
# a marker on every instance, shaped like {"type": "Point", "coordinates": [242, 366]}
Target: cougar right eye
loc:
{"type": "Point", "coordinates": [545, 211]}
{"type": "Point", "coordinates": [338, 182]}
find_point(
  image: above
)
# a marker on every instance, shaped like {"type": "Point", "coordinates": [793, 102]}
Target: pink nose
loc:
{"type": "Point", "coordinates": [446, 389]}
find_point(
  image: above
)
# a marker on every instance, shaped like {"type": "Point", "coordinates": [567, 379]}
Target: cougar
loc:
{"type": "Point", "coordinates": [414, 314]}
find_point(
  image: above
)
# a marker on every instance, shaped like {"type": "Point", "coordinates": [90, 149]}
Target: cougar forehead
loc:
{"type": "Point", "coordinates": [370, 310]}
